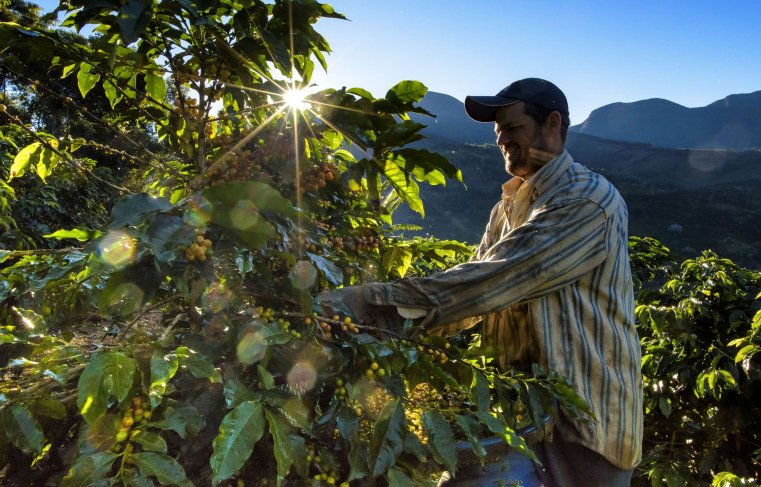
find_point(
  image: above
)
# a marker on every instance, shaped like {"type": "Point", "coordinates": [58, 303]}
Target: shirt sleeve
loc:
{"type": "Point", "coordinates": [557, 245]}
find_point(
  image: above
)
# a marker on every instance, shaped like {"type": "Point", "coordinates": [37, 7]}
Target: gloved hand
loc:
{"type": "Point", "coordinates": [351, 302]}
{"type": "Point", "coordinates": [347, 300]}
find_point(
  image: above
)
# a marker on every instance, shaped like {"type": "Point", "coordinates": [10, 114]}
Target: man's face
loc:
{"type": "Point", "coordinates": [521, 140]}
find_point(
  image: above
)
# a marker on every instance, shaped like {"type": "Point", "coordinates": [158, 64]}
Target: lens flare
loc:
{"type": "Point", "coordinates": [244, 215]}
{"type": "Point", "coordinates": [251, 348]}
{"type": "Point", "coordinates": [126, 299]}
{"type": "Point", "coordinates": [117, 249]}
{"type": "Point", "coordinates": [199, 212]}
{"type": "Point", "coordinates": [216, 298]}
{"type": "Point", "coordinates": [303, 275]}
{"type": "Point", "coordinates": [302, 377]}
{"type": "Point", "coordinates": [706, 161]}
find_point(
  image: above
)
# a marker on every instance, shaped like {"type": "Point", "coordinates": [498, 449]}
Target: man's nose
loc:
{"type": "Point", "coordinates": [502, 139]}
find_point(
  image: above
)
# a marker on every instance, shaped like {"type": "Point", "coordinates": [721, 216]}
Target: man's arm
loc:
{"type": "Point", "coordinates": [556, 246]}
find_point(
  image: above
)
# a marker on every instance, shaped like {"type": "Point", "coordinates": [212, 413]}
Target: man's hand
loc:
{"type": "Point", "coordinates": [351, 302]}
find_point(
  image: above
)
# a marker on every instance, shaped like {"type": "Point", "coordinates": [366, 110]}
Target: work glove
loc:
{"type": "Point", "coordinates": [351, 302]}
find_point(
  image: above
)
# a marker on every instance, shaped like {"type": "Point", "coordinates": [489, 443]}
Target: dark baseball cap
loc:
{"type": "Point", "coordinates": [532, 90]}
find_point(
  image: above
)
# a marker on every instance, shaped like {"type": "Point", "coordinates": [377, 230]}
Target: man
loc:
{"type": "Point", "coordinates": [552, 283]}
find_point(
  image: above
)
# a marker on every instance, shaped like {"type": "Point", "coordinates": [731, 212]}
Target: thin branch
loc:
{"type": "Point", "coordinates": [66, 157]}
{"type": "Point", "coordinates": [68, 101]}
{"type": "Point", "coordinates": [145, 311]}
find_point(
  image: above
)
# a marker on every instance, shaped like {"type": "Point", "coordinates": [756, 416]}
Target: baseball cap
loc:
{"type": "Point", "coordinates": [532, 90]}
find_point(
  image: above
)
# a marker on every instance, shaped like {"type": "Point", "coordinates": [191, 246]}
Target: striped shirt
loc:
{"type": "Point", "coordinates": [552, 283]}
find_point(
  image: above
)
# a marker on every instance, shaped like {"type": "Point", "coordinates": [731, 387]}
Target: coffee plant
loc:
{"type": "Point", "coordinates": [168, 333]}
{"type": "Point", "coordinates": [700, 338]}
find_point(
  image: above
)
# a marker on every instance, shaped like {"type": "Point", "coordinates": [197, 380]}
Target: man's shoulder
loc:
{"type": "Point", "coordinates": [581, 182]}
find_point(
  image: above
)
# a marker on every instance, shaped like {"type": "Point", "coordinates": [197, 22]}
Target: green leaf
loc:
{"type": "Point", "coordinates": [332, 272]}
{"type": "Point", "coordinates": [163, 368]}
{"type": "Point", "coordinates": [425, 165]}
{"type": "Point", "coordinates": [111, 93]}
{"type": "Point", "coordinates": [48, 160]}
{"type": "Point", "coordinates": [50, 407]}
{"type": "Point", "coordinates": [236, 392]}
{"type": "Point", "coordinates": [413, 445]}
{"type": "Point", "coordinates": [361, 93]}
{"type": "Point", "coordinates": [132, 209]}
{"type": "Point", "coordinates": [268, 381]}
{"type": "Point", "coordinates": [398, 135]}
{"type": "Point", "coordinates": [89, 469]}
{"type": "Point", "coordinates": [387, 440]}
{"type": "Point", "coordinates": [440, 439]}
{"type": "Point", "coordinates": [665, 405]}
{"type": "Point", "coordinates": [240, 430]}
{"type": "Point", "coordinates": [498, 427]}
{"type": "Point", "coordinates": [118, 373]}
{"type": "Point", "coordinates": [472, 429]}
{"type": "Point", "coordinates": [134, 17]}
{"type": "Point", "coordinates": [150, 441]}
{"type": "Point", "coordinates": [288, 447]}
{"type": "Point", "coordinates": [479, 391]}
{"type": "Point", "coordinates": [397, 478]}
{"type": "Point", "coordinates": [406, 188]}
{"type": "Point", "coordinates": [21, 428]}
{"type": "Point", "coordinates": [86, 79]}
{"type": "Point", "coordinates": [163, 467]}
{"type": "Point", "coordinates": [347, 422]}
{"type": "Point", "coordinates": [35, 154]}
{"type": "Point", "coordinates": [407, 91]}
{"type": "Point", "coordinates": [182, 418]}
{"type": "Point", "coordinates": [358, 461]}
{"type": "Point", "coordinates": [397, 258]}
{"type": "Point", "coordinates": [67, 70]}
{"type": "Point", "coordinates": [202, 367]}
{"type": "Point", "coordinates": [92, 393]}
{"type": "Point", "coordinates": [81, 235]}
{"type": "Point", "coordinates": [156, 87]}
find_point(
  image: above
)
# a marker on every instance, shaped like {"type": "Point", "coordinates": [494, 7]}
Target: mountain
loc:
{"type": "Point", "coordinates": [451, 122]}
{"type": "Point", "coordinates": [732, 123]}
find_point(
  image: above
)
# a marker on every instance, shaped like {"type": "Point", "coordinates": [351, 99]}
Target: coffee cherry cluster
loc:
{"type": "Point", "coordinates": [138, 413]}
{"type": "Point", "coordinates": [344, 325]}
{"type": "Point", "coordinates": [374, 370]}
{"type": "Point", "coordinates": [437, 355]}
{"type": "Point", "coordinates": [354, 244]}
{"type": "Point", "coordinates": [236, 165]}
{"type": "Point", "coordinates": [313, 178]}
{"type": "Point", "coordinates": [199, 249]}
{"type": "Point", "coordinates": [326, 473]}
{"type": "Point", "coordinates": [192, 106]}
{"type": "Point", "coordinates": [415, 424]}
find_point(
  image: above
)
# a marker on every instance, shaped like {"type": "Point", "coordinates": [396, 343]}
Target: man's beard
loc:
{"type": "Point", "coordinates": [526, 165]}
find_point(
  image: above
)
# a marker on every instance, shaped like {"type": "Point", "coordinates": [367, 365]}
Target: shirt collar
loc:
{"type": "Point", "coordinates": [542, 180]}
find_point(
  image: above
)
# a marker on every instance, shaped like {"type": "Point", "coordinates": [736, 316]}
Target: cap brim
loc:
{"type": "Point", "coordinates": [484, 108]}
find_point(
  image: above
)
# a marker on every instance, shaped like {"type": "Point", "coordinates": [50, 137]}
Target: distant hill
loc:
{"type": "Point", "coordinates": [731, 123]}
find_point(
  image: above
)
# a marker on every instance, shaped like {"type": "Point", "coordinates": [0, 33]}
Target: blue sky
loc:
{"type": "Point", "coordinates": [598, 52]}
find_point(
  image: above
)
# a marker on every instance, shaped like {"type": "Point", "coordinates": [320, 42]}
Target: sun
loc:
{"type": "Point", "coordinates": [294, 98]}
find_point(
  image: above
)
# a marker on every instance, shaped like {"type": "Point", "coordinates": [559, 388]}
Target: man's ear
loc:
{"type": "Point", "coordinates": [553, 122]}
